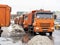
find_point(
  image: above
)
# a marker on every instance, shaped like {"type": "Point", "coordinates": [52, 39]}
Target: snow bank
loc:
{"type": "Point", "coordinates": [8, 41]}
{"type": "Point", "coordinates": [13, 29]}
{"type": "Point", "coordinates": [17, 30]}
{"type": "Point", "coordinates": [40, 40]}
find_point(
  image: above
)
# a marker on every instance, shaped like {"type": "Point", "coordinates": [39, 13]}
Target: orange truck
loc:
{"type": "Point", "coordinates": [39, 21]}
{"type": "Point", "coordinates": [16, 20]}
{"type": "Point", "coordinates": [4, 16]}
{"type": "Point", "coordinates": [21, 19]}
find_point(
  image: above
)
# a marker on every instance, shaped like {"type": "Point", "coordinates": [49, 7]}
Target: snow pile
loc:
{"type": "Point", "coordinates": [40, 40]}
{"type": "Point", "coordinates": [8, 41]}
{"type": "Point", "coordinates": [5, 32]}
{"type": "Point", "coordinates": [17, 30]}
{"type": "Point", "coordinates": [13, 29]}
{"type": "Point", "coordinates": [18, 27]}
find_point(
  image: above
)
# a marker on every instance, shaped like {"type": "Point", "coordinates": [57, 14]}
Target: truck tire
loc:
{"type": "Point", "coordinates": [1, 32]}
{"type": "Point", "coordinates": [34, 33]}
{"type": "Point", "coordinates": [50, 33]}
{"type": "Point", "coordinates": [26, 30]}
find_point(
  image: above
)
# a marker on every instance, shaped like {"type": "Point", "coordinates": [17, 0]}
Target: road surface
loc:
{"type": "Point", "coordinates": [56, 37]}
{"type": "Point", "coordinates": [16, 40]}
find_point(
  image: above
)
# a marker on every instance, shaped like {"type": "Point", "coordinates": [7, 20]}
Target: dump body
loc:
{"type": "Point", "coordinates": [4, 15]}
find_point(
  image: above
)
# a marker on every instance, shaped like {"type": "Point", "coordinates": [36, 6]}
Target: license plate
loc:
{"type": "Point", "coordinates": [44, 29]}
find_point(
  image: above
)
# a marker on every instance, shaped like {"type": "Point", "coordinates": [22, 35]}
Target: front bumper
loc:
{"type": "Point", "coordinates": [39, 29]}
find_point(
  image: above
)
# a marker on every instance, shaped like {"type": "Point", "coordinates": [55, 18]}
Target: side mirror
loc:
{"type": "Point", "coordinates": [55, 16]}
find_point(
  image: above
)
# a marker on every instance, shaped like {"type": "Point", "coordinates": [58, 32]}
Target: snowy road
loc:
{"type": "Point", "coordinates": [17, 40]}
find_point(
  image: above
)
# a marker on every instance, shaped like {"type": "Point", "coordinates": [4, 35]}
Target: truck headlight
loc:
{"type": "Point", "coordinates": [52, 28]}
{"type": "Point", "coordinates": [37, 28]}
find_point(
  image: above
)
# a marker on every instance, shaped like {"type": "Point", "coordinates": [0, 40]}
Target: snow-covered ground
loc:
{"type": "Point", "coordinates": [11, 37]}
{"type": "Point", "coordinates": [9, 41]}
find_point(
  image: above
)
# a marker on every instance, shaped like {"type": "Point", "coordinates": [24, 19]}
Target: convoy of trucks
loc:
{"type": "Point", "coordinates": [37, 21]}
{"type": "Point", "coordinates": [41, 21]}
{"type": "Point", "coordinates": [5, 12]}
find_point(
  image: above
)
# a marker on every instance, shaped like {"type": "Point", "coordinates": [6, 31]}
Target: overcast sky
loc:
{"type": "Point", "coordinates": [28, 5]}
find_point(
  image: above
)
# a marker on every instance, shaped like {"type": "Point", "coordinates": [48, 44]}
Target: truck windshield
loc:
{"type": "Point", "coordinates": [44, 15]}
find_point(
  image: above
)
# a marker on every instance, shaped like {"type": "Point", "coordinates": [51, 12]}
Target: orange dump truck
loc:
{"type": "Point", "coordinates": [16, 20]}
{"type": "Point", "coordinates": [39, 21]}
{"type": "Point", "coordinates": [4, 16]}
{"type": "Point", "coordinates": [21, 19]}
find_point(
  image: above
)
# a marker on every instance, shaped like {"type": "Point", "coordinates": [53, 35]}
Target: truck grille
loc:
{"type": "Point", "coordinates": [45, 24]}
{"type": "Point", "coordinates": [45, 29]}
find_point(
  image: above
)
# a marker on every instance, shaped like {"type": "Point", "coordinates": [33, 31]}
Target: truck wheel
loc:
{"type": "Point", "coordinates": [34, 33]}
{"type": "Point", "coordinates": [26, 29]}
{"type": "Point", "coordinates": [1, 32]}
{"type": "Point", "coordinates": [50, 33]}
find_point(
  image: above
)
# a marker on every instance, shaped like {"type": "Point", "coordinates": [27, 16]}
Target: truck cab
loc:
{"type": "Point", "coordinates": [39, 21]}
{"type": "Point", "coordinates": [44, 22]}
